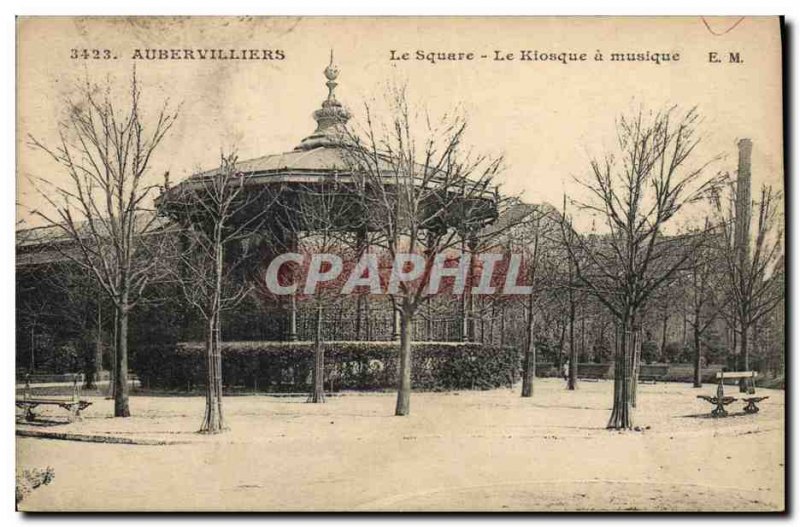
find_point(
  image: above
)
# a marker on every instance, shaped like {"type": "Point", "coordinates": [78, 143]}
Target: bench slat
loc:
{"type": "Point", "coordinates": [737, 374]}
{"type": "Point", "coordinates": [46, 401]}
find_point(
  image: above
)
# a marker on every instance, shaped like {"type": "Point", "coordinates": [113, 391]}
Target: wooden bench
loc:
{"type": "Point", "coordinates": [592, 372]}
{"type": "Point", "coordinates": [720, 401]}
{"type": "Point", "coordinates": [746, 377]}
{"type": "Point", "coordinates": [73, 404]}
{"type": "Point", "coordinates": [650, 373]}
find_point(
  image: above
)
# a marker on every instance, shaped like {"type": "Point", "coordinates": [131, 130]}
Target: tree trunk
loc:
{"type": "Point", "coordinates": [684, 326]}
{"type": "Point", "coordinates": [98, 351]}
{"type": "Point", "coordinates": [112, 384]}
{"type": "Point", "coordinates": [734, 346]}
{"type": "Point", "coordinates": [529, 362]}
{"type": "Point", "coordinates": [367, 320]}
{"type": "Point", "coordinates": [32, 365]}
{"type": "Point", "coordinates": [121, 408]}
{"type": "Point", "coordinates": [572, 380]}
{"type": "Point", "coordinates": [744, 358]}
{"type": "Point", "coordinates": [636, 360]}
{"type": "Point", "coordinates": [471, 334]}
{"type": "Point", "coordinates": [583, 336]}
{"type": "Point", "coordinates": [621, 413]}
{"type": "Point", "coordinates": [560, 357]}
{"type": "Point", "coordinates": [97, 360]}
{"type": "Point", "coordinates": [697, 355]}
{"type": "Point", "coordinates": [88, 363]}
{"type": "Point", "coordinates": [90, 369]}
{"type": "Point", "coordinates": [318, 374]}
{"type": "Point", "coordinates": [745, 344]}
{"type": "Point", "coordinates": [464, 318]}
{"type": "Point", "coordinates": [404, 375]}
{"type": "Point", "coordinates": [395, 322]}
{"type": "Point", "coordinates": [528, 371]}
{"type": "Point", "coordinates": [213, 422]}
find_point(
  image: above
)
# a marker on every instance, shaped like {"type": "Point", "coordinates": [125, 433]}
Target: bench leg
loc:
{"type": "Point", "coordinates": [75, 413]}
{"type": "Point", "coordinates": [29, 415]}
{"type": "Point", "coordinates": [719, 411]}
{"type": "Point", "coordinates": [751, 408]}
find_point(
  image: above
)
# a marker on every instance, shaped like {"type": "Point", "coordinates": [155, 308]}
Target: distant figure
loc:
{"type": "Point", "coordinates": [565, 371]}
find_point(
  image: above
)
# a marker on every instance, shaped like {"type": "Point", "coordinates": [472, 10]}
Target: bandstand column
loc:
{"type": "Point", "coordinates": [291, 329]}
{"type": "Point", "coordinates": [472, 243]}
{"type": "Point", "coordinates": [395, 322]}
{"type": "Point", "coordinates": [469, 243]}
{"type": "Point", "coordinates": [464, 312]}
{"type": "Point", "coordinates": [291, 332]}
{"type": "Point", "coordinates": [361, 308]}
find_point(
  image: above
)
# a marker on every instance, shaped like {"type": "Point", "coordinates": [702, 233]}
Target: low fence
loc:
{"type": "Point", "coordinates": [52, 378]}
{"type": "Point", "coordinates": [680, 372]}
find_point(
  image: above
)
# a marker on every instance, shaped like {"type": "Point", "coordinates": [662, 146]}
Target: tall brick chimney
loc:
{"type": "Point", "coordinates": [742, 237]}
{"type": "Point", "coordinates": [743, 205]}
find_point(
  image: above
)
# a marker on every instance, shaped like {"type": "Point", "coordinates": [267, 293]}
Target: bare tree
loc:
{"type": "Point", "coordinates": [530, 235]}
{"type": "Point", "coordinates": [106, 149]}
{"type": "Point", "coordinates": [323, 219]}
{"type": "Point", "coordinates": [424, 194]}
{"type": "Point", "coordinates": [751, 292]}
{"type": "Point", "coordinates": [637, 192]}
{"type": "Point", "coordinates": [769, 334]}
{"type": "Point", "coordinates": [704, 299]}
{"type": "Point", "coordinates": [568, 280]}
{"type": "Point", "coordinates": [213, 210]}
{"type": "Point", "coordinates": [529, 360]}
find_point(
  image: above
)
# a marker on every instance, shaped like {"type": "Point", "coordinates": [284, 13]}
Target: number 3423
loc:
{"type": "Point", "coordinates": [91, 54]}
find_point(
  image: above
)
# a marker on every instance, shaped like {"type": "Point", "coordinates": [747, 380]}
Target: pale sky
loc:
{"type": "Point", "coordinates": [546, 118]}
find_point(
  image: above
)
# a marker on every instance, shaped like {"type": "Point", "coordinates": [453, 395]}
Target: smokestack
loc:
{"type": "Point", "coordinates": [742, 235]}
{"type": "Point", "coordinates": [743, 203]}
{"type": "Point", "coordinates": [745, 149]}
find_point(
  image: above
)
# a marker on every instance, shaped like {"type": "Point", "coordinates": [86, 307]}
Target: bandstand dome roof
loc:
{"type": "Point", "coordinates": [325, 158]}
{"type": "Point", "coordinates": [321, 153]}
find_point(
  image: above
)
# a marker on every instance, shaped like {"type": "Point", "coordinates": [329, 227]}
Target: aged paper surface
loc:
{"type": "Point", "coordinates": [636, 164]}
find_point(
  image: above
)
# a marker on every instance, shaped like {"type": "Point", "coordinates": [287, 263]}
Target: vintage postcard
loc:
{"type": "Point", "coordinates": [400, 264]}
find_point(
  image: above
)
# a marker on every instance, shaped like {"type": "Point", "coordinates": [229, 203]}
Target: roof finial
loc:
{"type": "Point", "coordinates": [330, 117]}
{"type": "Point", "coordinates": [331, 73]}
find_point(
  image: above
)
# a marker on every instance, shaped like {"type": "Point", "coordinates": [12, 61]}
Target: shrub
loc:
{"type": "Point", "coordinates": [286, 366]}
{"type": "Point", "coordinates": [649, 351]}
{"type": "Point", "coordinates": [64, 358]}
{"type": "Point", "coordinates": [30, 479]}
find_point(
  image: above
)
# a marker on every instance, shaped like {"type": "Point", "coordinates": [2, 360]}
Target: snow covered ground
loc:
{"type": "Point", "coordinates": [456, 451]}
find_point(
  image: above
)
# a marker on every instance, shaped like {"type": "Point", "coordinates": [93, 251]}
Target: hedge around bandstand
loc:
{"type": "Point", "coordinates": [285, 367]}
